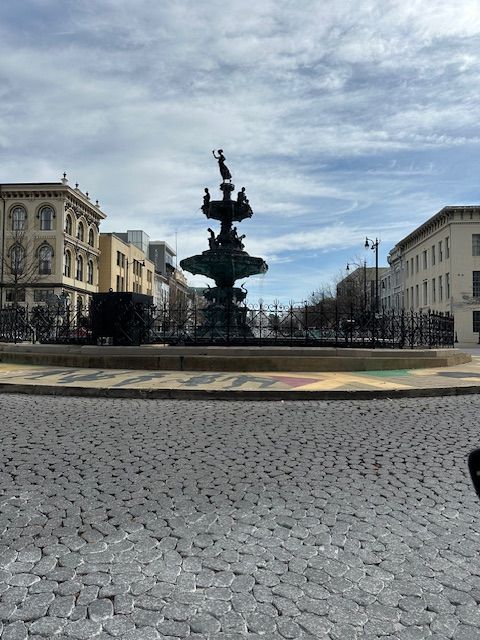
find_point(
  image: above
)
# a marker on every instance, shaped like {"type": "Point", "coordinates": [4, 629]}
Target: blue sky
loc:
{"type": "Point", "coordinates": [341, 118]}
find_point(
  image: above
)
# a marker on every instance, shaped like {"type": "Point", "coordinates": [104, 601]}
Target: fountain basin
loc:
{"type": "Point", "coordinates": [224, 266]}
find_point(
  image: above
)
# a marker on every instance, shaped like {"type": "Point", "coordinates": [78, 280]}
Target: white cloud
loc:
{"type": "Point", "coordinates": [337, 117]}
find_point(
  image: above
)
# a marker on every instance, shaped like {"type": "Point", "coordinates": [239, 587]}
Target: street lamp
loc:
{"type": "Point", "coordinates": [373, 245]}
{"type": "Point", "coordinates": [364, 265]}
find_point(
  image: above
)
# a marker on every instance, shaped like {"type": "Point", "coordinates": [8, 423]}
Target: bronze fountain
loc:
{"type": "Point", "coordinates": [226, 260]}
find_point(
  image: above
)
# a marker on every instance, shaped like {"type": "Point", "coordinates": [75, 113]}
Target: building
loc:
{"type": "Point", "coordinates": [163, 257]}
{"type": "Point", "coordinates": [124, 264]}
{"type": "Point", "coordinates": [358, 289]}
{"type": "Point", "coordinates": [440, 266]}
{"type": "Point", "coordinates": [129, 261]}
{"type": "Point", "coordinates": [392, 286]}
{"type": "Point", "coordinates": [49, 246]}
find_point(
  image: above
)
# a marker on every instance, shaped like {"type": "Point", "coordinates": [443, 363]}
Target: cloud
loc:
{"type": "Point", "coordinates": [337, 117]}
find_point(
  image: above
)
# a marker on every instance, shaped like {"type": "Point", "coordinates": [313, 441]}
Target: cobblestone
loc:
{"type": "Point", "coordinates": [159, 519]}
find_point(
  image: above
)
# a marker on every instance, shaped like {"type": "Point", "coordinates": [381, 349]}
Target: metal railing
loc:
{"type": "Point", "coordinates": [288, 325]}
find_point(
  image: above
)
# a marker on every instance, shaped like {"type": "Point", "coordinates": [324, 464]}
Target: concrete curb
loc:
{"type": "Point", "coordinates": [235, 394]}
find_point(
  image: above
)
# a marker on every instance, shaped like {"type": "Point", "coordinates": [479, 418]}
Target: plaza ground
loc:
{"type": "Point", "coordinates": [153, 519]}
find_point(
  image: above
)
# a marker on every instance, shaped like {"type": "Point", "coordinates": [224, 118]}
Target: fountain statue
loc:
{"type": "Point", "coordinates": [225, 260]}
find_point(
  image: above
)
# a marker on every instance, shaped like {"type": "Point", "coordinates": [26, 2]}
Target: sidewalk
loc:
{"type": "Point", "coordinates": [128, 383]}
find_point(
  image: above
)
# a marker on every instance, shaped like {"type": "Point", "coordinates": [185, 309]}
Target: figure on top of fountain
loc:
{"type": "Point", "coordinates": [224, 172]}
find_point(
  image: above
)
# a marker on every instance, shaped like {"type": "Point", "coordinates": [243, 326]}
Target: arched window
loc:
{"type": "Point", "coordinates": [79, 274]}
{"type": "Point", "coordinates": [80, 231]}
{"type": "Point", "coordinates": [90, 272]}
{"type": "Point", "coordinates": [17, 259]}
{"type": "Point", "coordinates": [91, 237]}
{"type": "Point", "coordinates": [68, 264]}
{"type": "Point", "coordinates": [68, 224]}
{"type": "Point", "coordinates": [19, 216]}
{"type": "Point", "coordinates": [46, 218]}
{"type": "Point", "coordinates": [45, 256]}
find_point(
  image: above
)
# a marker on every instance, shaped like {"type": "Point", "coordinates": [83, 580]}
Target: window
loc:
{"type": "Point", "coordinates": [68, 224]}
{"type": "Point", "coordinates": [45, 256]}
{"type": "Point", "coordinates": [433, 255]}
{"type": "Point", "coordinates": [447, 248]}
{"type": "Point", "coordinates": [434, 293]}
{"type": "Point", "coordinates": [425, 294]}
{"type": "Point", "coordinates": [17, 261]}
{"type": "Point", "coordinates": [46, 218]}
{"type": "Point", "coordinates": [476, 321]}
{"type": "Point", "coordinates": [90, 272]}
{"type": "Point", "coordinates": [118, 284]}
{"type": "Point", "coordinates": [440, 288]}
{"type": "Point", "coordinates": [447, 285]}
{"type": "Point", "coordinates": [19, 216]}
{"type": "Point", "coordinates": [406, 272]}
{"type": "Point", "coordinates": [425, 263]}
{"type": "Point", "coordinates": [416, 264]}
{"type": "Point", "coordinates": [79, 274]}
{"type": "Point", "coordinates": [15, 295]}
{"type": "Point", "coordinates": [81, 231]}
{"type": "Point", "coordinates": [417, 296]}
{"type": "Point", "coordinates": [411, 267]}
{"type": "Point", "coordinates": [440, 251]}
{"type": "Point", "coordinates": [476, 244]}
{"type": "Point", "coordinates": [476, 284]}
{"type": "Point", "coordinates": [68, 264]}
{"type": "Point", "coordinates": [91, 237]}
{"type": "Point", "coordinates": [43, 295]}
{"type": "Point", "coordinates": [120, 259]}
{"type": "Point", "coordinates": [406, 298]}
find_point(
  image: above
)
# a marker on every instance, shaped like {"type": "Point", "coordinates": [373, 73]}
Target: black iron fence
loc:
{"type": "Point", "coordinates": [290, 325]}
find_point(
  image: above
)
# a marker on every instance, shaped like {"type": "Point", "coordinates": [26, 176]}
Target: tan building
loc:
{"type": "Point", "coordinates": [124, 266]}
{"type": "Point", "coordinates": [49, 245]}
{"type": "Point", "coordinates": [440, 263]}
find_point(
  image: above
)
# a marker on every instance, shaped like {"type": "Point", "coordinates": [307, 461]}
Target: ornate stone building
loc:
{"type": "Point", "coordinates": [49, 244]}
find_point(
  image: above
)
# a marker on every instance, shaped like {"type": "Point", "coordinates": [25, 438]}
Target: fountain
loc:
{"type": "Point", "coordinates": [225, 261]}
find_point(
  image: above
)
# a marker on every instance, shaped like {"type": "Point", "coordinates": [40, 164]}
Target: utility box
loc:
{"type": "Point", "coordinates": [121, 318]}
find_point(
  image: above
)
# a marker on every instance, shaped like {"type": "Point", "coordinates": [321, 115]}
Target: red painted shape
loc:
{"type": "Point", "coordinates": [296, 382]}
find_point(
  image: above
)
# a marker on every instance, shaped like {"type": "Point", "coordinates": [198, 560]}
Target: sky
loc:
{"type": "Point", "coordinates": [342, 119]}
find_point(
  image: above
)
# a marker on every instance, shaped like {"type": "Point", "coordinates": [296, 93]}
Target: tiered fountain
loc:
{"type": "Point", "coordinates": [225, 261]}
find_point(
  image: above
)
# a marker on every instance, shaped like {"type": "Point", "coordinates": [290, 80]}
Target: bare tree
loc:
{"type": "Point", "coordinates": [20, 265]}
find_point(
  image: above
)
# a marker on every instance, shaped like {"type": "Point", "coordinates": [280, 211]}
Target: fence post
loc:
{"type": "Point", "coordinates": [336, 323]}
{"type": "Point", "coordinates": [402, 329]}
{"type": "Point", "coordinates": [306, 322]}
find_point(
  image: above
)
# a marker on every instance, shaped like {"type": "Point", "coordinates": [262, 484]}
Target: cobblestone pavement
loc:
{"type": "Point", "coordinates": [179, 519]}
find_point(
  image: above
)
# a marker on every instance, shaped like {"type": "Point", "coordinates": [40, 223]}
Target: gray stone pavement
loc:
{"type": "Point", "coordinates": [144, 519]}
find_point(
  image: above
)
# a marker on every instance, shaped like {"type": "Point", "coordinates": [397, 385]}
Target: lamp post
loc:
{"type": "Point", "coordinates": [373, 245]}
{"type": "Point", "coordinates": [364, 266]}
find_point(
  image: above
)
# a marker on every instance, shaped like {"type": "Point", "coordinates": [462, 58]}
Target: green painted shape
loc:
{"type": "Point", "coordinates": [392, 373]}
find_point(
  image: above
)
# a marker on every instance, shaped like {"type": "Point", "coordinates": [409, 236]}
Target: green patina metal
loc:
{"type": "Point", "coordinates": [225, 261]}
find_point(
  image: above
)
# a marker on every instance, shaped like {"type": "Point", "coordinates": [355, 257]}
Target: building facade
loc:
{"type": "Point", "coordinates": [124, 266]}
{"type": "Point", "coordinates": [49, 246]}
{"type": "Point", "coordinates": [441, 268]}
{"type": "Point", "coordinates": [392, 286]}
{"type": "Point", "coordinates": [358, 289]}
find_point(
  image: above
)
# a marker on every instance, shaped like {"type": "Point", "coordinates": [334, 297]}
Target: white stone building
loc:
{"type": "Point", "coordinates": [439, 267]}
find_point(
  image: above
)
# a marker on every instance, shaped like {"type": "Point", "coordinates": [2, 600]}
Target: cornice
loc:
{"type": "Point", "coordinates": [52, 190]}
